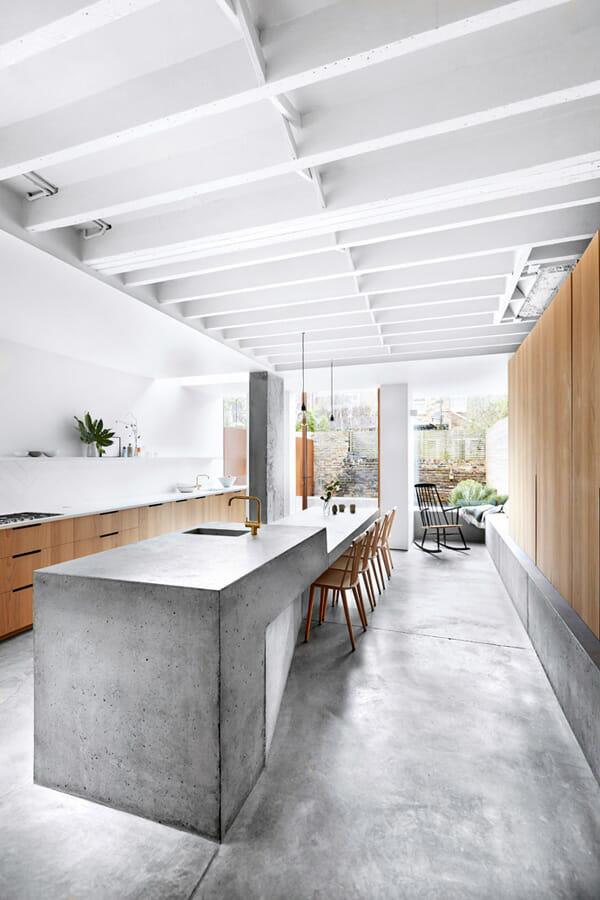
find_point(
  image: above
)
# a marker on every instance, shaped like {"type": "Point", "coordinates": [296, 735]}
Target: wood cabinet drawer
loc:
{"type": "Point", "coordinates": [131, 536]}
{"type": "Point", "coordinates": [60, 532]}
{"type": "Point", "coordinates": [17, 571]}
{"type": "Point", "coordinates": [84, 528]}
{"type": "Point", "coordinates": [29, 537]}
{"type": "Point", "coordinates": [156, 519]}
{"type": "Point", "coordinates": [16, 611]}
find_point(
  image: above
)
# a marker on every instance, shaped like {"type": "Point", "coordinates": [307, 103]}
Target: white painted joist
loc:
{"type": "Point", "coordinates": [535, 230]}
{"type": "Point", "coordinates": [310, 312]}
{"type": "Point", "coordinates": [36, 26]}
{"type": "Point", "coordinates": [349, 338]}
{"type": "Point", "coordinates": [417, 346]}
{"type": "Point", "coordinates": [221, 80]}
{"type": "Point", "coordinates": [327, 267]}
{"type": "Point", "coordinates": [352, 326]}
{"type": "Point", "coordinates": [308, 248]}
{"type": "Point", "coordinates": [371, 126]}
{"type": "Point", "coordinates": [455, 351]}
{"type": "Point", "coordinates": [388, 295]}
{"type": "Point", "coordinates": [147, 239]}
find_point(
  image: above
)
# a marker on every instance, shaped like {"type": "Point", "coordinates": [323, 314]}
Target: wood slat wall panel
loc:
{"type": "Point", "coordinates": [586, 437]}
{"type": "Point", "coordinates": [554, 451]}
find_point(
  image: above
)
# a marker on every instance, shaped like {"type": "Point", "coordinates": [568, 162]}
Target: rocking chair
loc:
{"type": "Point", "coordinates": [437, 517]}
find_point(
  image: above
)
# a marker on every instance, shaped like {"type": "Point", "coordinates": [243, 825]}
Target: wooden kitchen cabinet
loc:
{"type": "Point", "coordinates": [16, 611]}
{"type": "Point", "coordinates": [25, 548]}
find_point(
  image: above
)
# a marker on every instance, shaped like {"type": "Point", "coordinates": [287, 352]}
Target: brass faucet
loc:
{"type": "Point", "coordinates": [198, 477]}
{"type": "Point", "coordinates": [253, 526]}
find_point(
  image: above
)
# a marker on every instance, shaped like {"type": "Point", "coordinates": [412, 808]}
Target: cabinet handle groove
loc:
{"type": "Point", "coordinates": [27, 553]}
{"type": "Point", "coordinates": [24, 588]}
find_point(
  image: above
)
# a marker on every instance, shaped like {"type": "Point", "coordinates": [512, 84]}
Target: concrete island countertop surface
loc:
{"type": "Point", "coordinates": [91, 509]}
{"type": "Point", "coordinates": [214, 562]}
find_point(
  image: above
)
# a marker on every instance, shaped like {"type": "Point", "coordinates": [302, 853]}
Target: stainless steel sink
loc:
{"type": "Point", "coordinates": [222, 532]}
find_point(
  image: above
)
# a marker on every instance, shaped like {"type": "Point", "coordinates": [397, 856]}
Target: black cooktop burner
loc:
{"type": "Point", "coordinates": [16, 518]}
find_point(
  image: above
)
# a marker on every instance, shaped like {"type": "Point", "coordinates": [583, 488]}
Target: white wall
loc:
{"type": "Point", "coordinates": [496, 456]}
{"type": "Point", "coordinates": [395, 461]}
{"type": "Point", "coordinates": [40, 392]}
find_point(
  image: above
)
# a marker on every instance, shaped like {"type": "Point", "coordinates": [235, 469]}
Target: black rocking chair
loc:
{"type": "Point", "coordinates": [437, 517]}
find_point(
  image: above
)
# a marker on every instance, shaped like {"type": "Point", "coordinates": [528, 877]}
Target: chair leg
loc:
{"type": "Point", "coordinates": [385, 562]}
{"type": "Point", "coordinates": [370, 583]}
{"type": "Point", "coordinates": [360, 606]}
{"type": "Point", "coordinates": [389, 554]}
{"type": "Point", "coordinates": [380, 567]}
{"type": "Point", "coordinates": [368, 590]}
{"type": "Point", "coordinates": [379, 588]}
{"type": "Point", "coordinates": [309, 613]}
{"type": "Point", "coordinates": [323, 607]}
{"type": "Point", "coordinates": [348, 622]}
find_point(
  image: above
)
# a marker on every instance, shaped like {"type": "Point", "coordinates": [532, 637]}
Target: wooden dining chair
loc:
{"type": "Point", "coordinates": [342, 580]}
{"type": "Point", "coordinates": [383, 548]}
{"type": "Point", "coordinates": [370, 536]}
{"type": "Point", "coordinates": [373, 555]}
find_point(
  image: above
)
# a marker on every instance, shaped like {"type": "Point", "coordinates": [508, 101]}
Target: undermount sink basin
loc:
{"type": "Point", "coordinates": [221, 532]}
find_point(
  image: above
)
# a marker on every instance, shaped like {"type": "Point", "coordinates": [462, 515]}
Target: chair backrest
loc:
{"type": "Point", "coordinates": [389, 521]}
{"type": "Point", "coordinates": [353, 560]}
{"type": "Point", "coordinates": [370, 536]}
{"type": "Point", "coordinates": [430, 505]}
{"type": "Point", "coordinates": [378, 525]}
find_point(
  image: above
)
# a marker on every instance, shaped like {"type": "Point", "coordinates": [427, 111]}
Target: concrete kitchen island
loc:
{"type": "Point", "coordinates": [159, 667]}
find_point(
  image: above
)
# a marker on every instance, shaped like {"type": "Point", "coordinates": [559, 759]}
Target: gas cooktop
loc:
{"type": "Point", "coordinates": [17, 518]}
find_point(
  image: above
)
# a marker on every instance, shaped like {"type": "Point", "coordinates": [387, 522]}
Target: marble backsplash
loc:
{"type": "Point", "coordinates": [48, 484]}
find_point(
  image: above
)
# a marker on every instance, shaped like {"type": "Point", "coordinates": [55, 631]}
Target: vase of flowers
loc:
{"type": "Point", "coordinates": [331, 488]}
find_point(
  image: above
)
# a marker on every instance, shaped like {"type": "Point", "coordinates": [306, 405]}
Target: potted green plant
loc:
{"type": "Point", "coordinates": [93, 435]}
{"type": "Point", "coordinates": [329, 489]}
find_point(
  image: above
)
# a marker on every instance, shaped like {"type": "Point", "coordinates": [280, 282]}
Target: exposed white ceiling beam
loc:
{"type": "Point", "coordinates": [418, 346]}
{"type": "Point", "coordinates": [230, 166]}
{"type": "Point", "coordinates": [352, 326]}
{"type": "Point", "coordinates": [39, 25]}
{"type": "Point", "coordinates": [287, 344]}
{"type": "Point", "coordinates": [216, 83]}
{"type": "Point", "coordinates": [387, 295]}
{"type": "Point", "coordinates": [303, 317]}
{"type": "Point", "coordinates": [147, 240]}
{"type": "Point", "coordinates": [454, 351]}
{"type": "Point", "coordinates": [329, 266]}
{"type": "Point", "coordinates": [521, 257]}
{"type": "Point", "coordinates": [203, 262]}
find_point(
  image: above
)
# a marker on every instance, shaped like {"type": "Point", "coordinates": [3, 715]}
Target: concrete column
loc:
{"type": "Point", "coordinates": [396, 461]}
{"type": "Point", "coordinates": [267, 444]}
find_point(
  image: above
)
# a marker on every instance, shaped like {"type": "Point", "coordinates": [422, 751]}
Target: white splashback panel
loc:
{"type": "Point", "coordinates": [71, 484]}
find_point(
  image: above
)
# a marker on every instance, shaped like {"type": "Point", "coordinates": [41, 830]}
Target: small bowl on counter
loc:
{"type": "Point", "coordinates": [50, 452]}
{"type": "Point", "coordinates": [34, 452]}
{"type": "Point", "coordinates": [227, 480]}
{"type": "Point", "coordinates": [185, 488]}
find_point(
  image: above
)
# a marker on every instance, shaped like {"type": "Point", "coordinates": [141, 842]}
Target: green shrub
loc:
{"type": "Point", "coordinates": [472, 491]}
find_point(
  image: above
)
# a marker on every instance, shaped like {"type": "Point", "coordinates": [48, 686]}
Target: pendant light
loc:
{"type": "Point", "coordinates": [303, 407]}
{"type": "Point", "coordinates": [331, 417]}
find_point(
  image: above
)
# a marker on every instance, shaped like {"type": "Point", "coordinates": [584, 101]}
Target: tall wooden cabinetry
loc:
{"type": "Point", "coordinates": [586, 436]}
{"type": "Point", "coordinates": [554, 441]}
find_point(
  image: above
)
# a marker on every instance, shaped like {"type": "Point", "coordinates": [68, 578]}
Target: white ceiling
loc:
{"type": "Point", "coordinates": [373, 173]}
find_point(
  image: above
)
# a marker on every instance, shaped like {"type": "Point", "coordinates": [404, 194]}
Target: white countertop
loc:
{"type": "Point", "coordinates": [89, 509]}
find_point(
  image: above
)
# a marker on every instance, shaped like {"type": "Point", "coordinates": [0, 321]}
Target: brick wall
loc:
{"type": "Point", "coordinates": [349, 456]}
{"type": "Point", "coordinates": [447, 473]}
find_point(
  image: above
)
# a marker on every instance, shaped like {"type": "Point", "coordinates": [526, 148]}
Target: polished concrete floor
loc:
{"type": "Point", "coordinates": [434, 762]}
